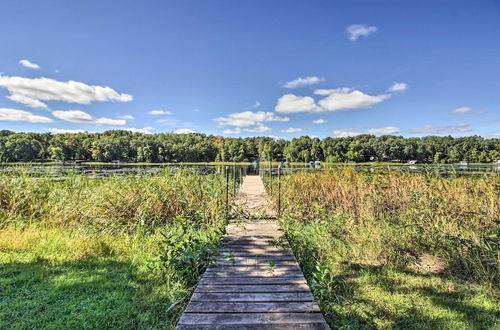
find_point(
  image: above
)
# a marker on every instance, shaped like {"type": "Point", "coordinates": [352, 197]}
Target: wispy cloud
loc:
{"type": "Point", "coordinates": [7, 114]}
{"type": "Point", "coordinates": [126, 117]}
{"type": "Point", "coordinates": [159, 112]}
{"type": "Point", "coordinates": [260, 128]}
{"type": "Point", "coordinates": [398, 87]}
{"type": "Point", "coordinates": [346, 132]}
{"type": "Point", "coordinates": [384, 130]}
{"type": "Point", "coordinates": [81, 117]}
{"type": "Point", "coordinates": [291, 130]}
{"type": "Point", "coordinates": [429, 129]}
{"type": "Point", "coordinates": [354, 131]}
{"type": "Point", "coordinates": [28, 64]}
{"type": "Point", "coordinates": [32, 91]}
{"type": "Point", "coordinates": [319, 121]}
{"type": "Point", "coordinates": [184, 131]}
{"type": "Point", "coordinates": [462, 110]}
{"type": "Point", "coordinates": [249, 118]}
{"type": "Point", "coordinates": [301, 82]}
{"type": "Point", "coordinates": [66, 131]}
{"type": "Point", "coordinates": [145, 130]}
{"type": "Point", "coordinates": [355, 31]}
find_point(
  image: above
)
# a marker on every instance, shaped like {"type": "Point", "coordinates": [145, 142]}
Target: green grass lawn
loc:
{"type": "Point", "coordinates": [119, 252]}
{"type": "Point", "coordinates": [64, 279]}
{"type": "Point", "coordinates": [373, 296]}
{"type": "Point", "coordinates": [397, 250]}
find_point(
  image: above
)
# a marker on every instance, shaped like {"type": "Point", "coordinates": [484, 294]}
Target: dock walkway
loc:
{"type": "Point", "coordinates": [256, 282]}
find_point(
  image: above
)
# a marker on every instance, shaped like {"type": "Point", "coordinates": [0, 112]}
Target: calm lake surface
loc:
{"type": "Point", "coordinates": [56, 170]}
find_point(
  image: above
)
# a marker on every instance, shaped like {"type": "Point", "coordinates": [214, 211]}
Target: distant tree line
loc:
{"type": "Point", "coordinates": [168, 147]}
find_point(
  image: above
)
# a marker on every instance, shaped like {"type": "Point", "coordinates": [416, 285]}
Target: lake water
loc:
{"type": "Point", "coordinates": [124, 169]}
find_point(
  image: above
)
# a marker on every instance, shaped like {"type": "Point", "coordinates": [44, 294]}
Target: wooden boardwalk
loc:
{"type": "Point", "coordinates": [256, 282]}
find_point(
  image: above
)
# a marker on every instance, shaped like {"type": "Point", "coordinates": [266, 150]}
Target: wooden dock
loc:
{"type": "Point", "coordinates": [256, 282]}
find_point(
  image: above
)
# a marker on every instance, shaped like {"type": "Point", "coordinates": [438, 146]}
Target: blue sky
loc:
{"type": "Point", "coordinates": [246, 68]}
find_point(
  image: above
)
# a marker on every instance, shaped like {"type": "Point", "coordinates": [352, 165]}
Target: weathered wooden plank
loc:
{"type": "Point", "coordinates": [255, 262]}
{"type": "Point", "coordinates": [253, 297]}
{"type": "Point", "coordinates": [308, 326]}
{"type": "Point", "coordinates": [252, 248]}
{"type": "Point", "coordinates": [263, 240]}
{"type": "Point", "coordinates": [255, 307]}
{"type": "Point", "coordinates": [230, 254]}
{"type": "Point", "coordinates": [255, 273]}
{"type": "Point", "coordinates": [301, 287]}
{"type": "Point", "coordinates": [253, 280]}
{"type": "Point", "coordinates": [270, 267]}
{"type": "Point", "coordinates": [251, 318]}
{"type": "Point", "coordinates": [258, 258]}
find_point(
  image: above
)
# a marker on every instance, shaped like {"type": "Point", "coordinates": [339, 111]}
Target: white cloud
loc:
{"type": "Point", "coordinates": [127, 117]}
{"type": "Point", "coordinates": [300, 82]}
{"type": "Point", "coordinates": [398, 87]}
{"type": "Point", "coordinates": [7, 114]}
{"type": "Point", "coordinates": [184, 131]}
{"type": "Point", "coordinates": [336, 99]}
{"type": "Point", "coordinates": [346, 132]}
{"type": "Point", "coordinates": [355, 31]}
{"type": "Point", "coordinates": [145, 130]}
{"type": "Point", "coordinates": [291, 130]}
{"type": "Point", "coordinates": [32, 91]}
{"type": "Point", "coordinates": [66, 131]}
{"type": "Point", "coordinates": [384, 130]}
{"type": "Point", "coordinates": [77, 116]}
{"type": "Point", "coordinates": [249, 118]}
{"type": "Point", "coordinates": [319, 121]}
{"type": "Point", "coordinates": [257, 104]}
{"type": "Point", "coordinates": [345, 98]}
{"type": "Point", "coordinates": [462, 110]}
{"type": "Point", "coordinates": [290, 103]}
{"type": "Point", "coordinates": [236, 130]}
{"type": "Point", "coordinates": [28, 64]}
{"type": "Point", "coordinates": [28, 101]}
{"type": "Point", "coordinates": [458, 128]}
{"type": "Point", "coordinates": [257, 129]}
{"type": "Point", "coordinates": [159, 112]}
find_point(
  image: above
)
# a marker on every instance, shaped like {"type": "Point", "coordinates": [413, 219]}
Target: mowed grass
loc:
{"type": "Point", "coordinates": [396, 250]}
{"type": "Point", "coordinates": [126, 267]}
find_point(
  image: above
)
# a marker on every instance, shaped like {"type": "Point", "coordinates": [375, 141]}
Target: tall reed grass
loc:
{"type": "Point", "coordinates": [397, 250]}
{"type": "Point", "coordinates": [396, 217]}
{"type": "Point", "coordinates": [123, 203]}
{"type": "Point", "coordinates": [112, 252]}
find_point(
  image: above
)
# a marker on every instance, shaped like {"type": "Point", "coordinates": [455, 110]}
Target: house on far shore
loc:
{"type": "Point", "coordinates": [412, 162]}
{"type": "Point", "coordinates": [464, 163]}
{"type": "Point", "coordinates": [496, 161]}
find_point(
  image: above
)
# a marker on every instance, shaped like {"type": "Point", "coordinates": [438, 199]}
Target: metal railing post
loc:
{"type": "Point", "coordinates": [279, 192]}
{"type": "Point", "coordinates": [270, 175]}
{"type": "Point", "coordinates": [234, 180]}
{"type": "Point", "coordinates": [227, 191]}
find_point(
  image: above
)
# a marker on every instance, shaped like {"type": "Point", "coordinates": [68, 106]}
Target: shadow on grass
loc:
{"type": "Point", "coordinates": [88, 293]}
{"type": "Point", "coordinates": [375, 296]}
{"type": "Point", "coordinates": [359, 296]}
